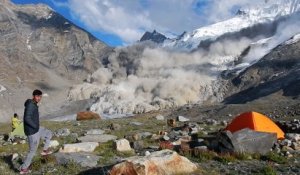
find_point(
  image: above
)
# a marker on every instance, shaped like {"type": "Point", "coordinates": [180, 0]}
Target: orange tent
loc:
{"type": "Point", "coordinates": [255, 121]}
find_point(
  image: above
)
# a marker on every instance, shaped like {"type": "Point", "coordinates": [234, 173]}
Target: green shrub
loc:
{"type": "Point", "coordinates": [267, 170]}
{"type": "Point", "coordinates": [225, 158]}
{"type": "Point", "coordinates": [274, 157]}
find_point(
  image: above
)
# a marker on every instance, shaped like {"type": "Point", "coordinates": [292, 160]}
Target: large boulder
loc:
{"type": "Point", "coordinates": [246, 141]}
{"type": "Point", "coordinates": [87, 115]}
{"type": "Point", "coordinates": [83, 159]}
{"type": "Point", "coordinates": [165, 162]}
{"type": "Point", "coordinates": [79, 147]}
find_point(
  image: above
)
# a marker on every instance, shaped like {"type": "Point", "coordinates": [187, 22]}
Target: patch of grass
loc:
{"type": "Point", "coordinates": [125, 153]}
{"type": "Point", "coordinates": [10, 149]}
{"type": "Point", "coordinates": [274, 157]}
{"type": "Point", "coordinates": [70, 168]}
{"type": "Point", "coordinates": [36, 164]}
{"type": "Point", "coordinates": [225, 158]}
{"type": "Point", "coordinates": [200, 134]}
{"type": "Point", "coordinates": [267, 170]}
{"type": "Point", "coordinates": [105, 150]}
{"type": "Point", "coordinates": [246, 156]}
{"type": "Point", "coordinates": [50, 159]}
{"type": "Point", "coordinates": [201, 156]}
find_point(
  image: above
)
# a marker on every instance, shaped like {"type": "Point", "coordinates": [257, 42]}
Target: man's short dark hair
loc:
{"type": "Point", "coordinates": [37, 92]}
{"type": "Point", "coordinates": [15, 115]}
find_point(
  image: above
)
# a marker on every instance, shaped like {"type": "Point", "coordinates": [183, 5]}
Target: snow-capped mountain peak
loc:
{"type": "Point", "coordinates": [246, 17]}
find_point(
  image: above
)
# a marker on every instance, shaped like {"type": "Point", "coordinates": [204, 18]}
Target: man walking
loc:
{"type": "Point", "coordinates": [33, 131]}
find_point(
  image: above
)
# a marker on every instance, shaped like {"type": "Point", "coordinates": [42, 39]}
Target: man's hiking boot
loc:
{"type": "Point", "coordinates": [24, 171]}
{"type": "Point", "coordinates": [46, 152]}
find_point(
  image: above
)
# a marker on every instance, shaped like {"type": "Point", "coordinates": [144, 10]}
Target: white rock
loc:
{"type": "Point", "coordinates": [165, 162]}
{"type": "Point", "coordinates": [54, 143]}
{"type": "Point", "coordinates": [160, 117]}
{"type": "Point", "coordinates": [165, 137]}
{"type": "Point", "coordinates": [97, 138]}
{"type": "Point", "coordinates": [147, 153]}
{"type": "Point", "coordinates": [95, 132]}
{"type": "Point", "coordinates": [136, 123]}
{"type": "Point", "coordinates": [14, 156]}
{"type": "Point", "coordinates": [2, 88]}
{"type": "Point", "coordinates": [122, 145]}
{"type": "Point", "coordinates": [293, 136]}
{"type": "Point", "coordinates": [183, 119]}
{"type": "Point", "coordinates": [79, 147]}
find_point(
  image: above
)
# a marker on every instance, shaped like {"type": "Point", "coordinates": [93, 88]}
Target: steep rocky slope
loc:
{"type": "Point", "coordinates": [277, 72]}
{"type": "Point", "coordinates": [41, 49]}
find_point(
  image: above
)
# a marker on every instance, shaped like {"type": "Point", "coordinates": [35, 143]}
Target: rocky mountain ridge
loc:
{"type": "Point", "coordinates": [41, 49]}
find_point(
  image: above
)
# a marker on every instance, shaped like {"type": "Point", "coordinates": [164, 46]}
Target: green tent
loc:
{"type": "Point", "coordinates": [19, 131]}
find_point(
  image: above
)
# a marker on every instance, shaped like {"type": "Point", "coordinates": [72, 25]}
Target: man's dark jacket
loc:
{"type": "Point", "coordinates": [31, 117]}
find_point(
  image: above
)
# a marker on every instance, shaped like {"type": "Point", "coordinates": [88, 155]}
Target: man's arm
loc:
{"type": "Point", "coordinates": [28, 116]}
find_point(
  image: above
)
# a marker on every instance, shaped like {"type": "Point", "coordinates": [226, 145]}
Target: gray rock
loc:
{"type": "Point", "coordinates": [83, 159]}
{"type": "Point", "coordinates": [293, 136]}
{"type": "Point", "coordinates": [138, 145]}
{"type": "Point", "coordinates": [182, 119]}
{"type": "Point", "coordinates": [75, 135]}
{"type": "Point", "coordinates": [286, 142]}
{"type": "Point", "coordinates": [160, 117]}
{"type": "Point", "coordinates": [77, 124]}
{"type": "Point", "coordinates": [144, 135]}
{"type": "Point", "coordinates": [173, 135]}
{"type": "Point", "coordinates": [136, 123]}
{"type": "Point", "coordinates": [211, 122]}
{"type": "Point", "coordinates": [97, 138]}
{"type": "Point", "coordinates": [115, 127]}
{"type": "Point", "coordinates": [165, 137]}
{"type": "Point", "coordinates": [95, 132]}
{"type": "Point", "coordinates": [246, 140]}
{"type": "Point", "coordinates": [200, 140]}
{"type": "Point", "coordinates": [296, 146]}
{"type": "Point", "coordinates": [201, 148]}
{"type": "Point", "coordinates": [62, 132]}
{"type": "Point", "coordinates": [224, 123]}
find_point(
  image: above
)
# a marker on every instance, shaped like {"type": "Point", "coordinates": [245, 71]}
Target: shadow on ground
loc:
{"type": "Point", "coordinates": [97, 171]}
{"type": "Point", "coordinates": [12, 164]}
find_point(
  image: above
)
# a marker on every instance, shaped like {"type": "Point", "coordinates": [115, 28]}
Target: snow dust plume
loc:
{"type": "Point", "coordinates": [139, 79]}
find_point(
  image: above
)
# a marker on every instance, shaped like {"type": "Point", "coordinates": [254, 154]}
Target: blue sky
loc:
{"type": "Point", "coordinates": [123, 22]}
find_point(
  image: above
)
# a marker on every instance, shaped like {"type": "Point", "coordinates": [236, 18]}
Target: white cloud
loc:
{"type": "Point", "coordinates": [130, 18]}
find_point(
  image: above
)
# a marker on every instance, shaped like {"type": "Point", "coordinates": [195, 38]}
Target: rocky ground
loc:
{"type": "Point", "coordinates": [107, 142]}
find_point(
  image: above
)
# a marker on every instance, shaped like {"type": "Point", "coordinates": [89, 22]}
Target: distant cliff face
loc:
{"type": "Point", "coordinates": [277, 72]}
{"type": "Point", "coordinates": [41, 49]}
{"type": "Point", "coordinates": [154, 36]}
